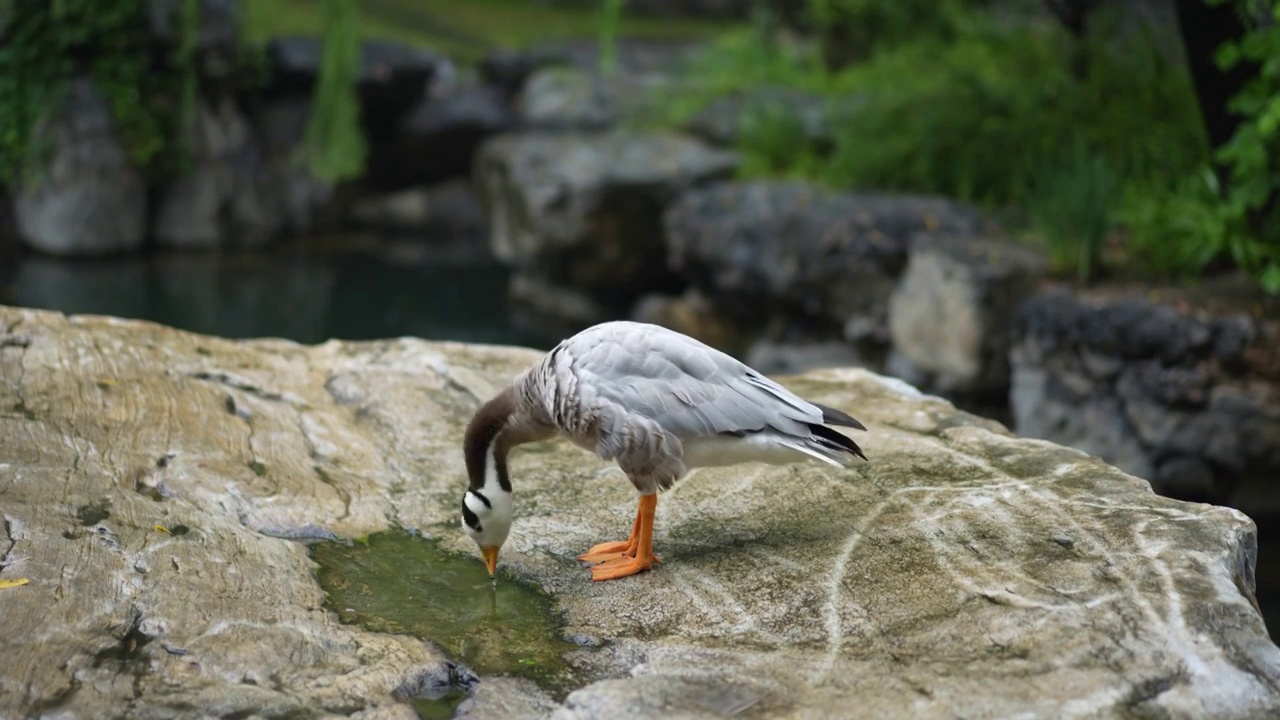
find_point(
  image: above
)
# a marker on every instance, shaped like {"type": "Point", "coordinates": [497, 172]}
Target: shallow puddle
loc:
{"type": "Point", "coordinates": [396, 582]}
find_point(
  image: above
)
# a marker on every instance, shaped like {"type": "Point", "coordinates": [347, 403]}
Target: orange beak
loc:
{"type": "Point", "coordinates": [490, 558]}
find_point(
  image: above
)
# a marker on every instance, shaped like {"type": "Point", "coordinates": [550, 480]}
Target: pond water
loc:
{"type": "Point", "coordinates": [295, 294]}
{"type": "Point", "coordinates": [396, 582]}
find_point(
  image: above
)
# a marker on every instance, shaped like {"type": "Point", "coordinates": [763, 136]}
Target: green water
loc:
{"type": "Point", "coordinates": [395, 582]}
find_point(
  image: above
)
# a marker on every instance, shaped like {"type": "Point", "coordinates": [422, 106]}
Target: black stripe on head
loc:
{"type": "Point", "coordinates": [483, 499]}
{"type": "Point", "coordinates": [469, 517]}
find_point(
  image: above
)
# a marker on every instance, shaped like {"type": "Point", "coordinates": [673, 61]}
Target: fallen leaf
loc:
{"type": "Point", "coordinates": [16, 582]}
{"type": "Point", "coordinates": [159, 528]}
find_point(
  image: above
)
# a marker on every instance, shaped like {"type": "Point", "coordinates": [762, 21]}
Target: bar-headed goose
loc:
{"type": "Point", "coordinates": [656, 401]}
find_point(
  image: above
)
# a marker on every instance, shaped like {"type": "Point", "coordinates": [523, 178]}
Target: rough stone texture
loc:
{"type": "Point", "coordinates": [692, 314]}
{"type": "Point", "coordinates": [721, 121]}
{"type": "Point", "coordinates": [89, 199]}
{"type": "Point", "coordinates": [566, 98]}
{"type": "Point", "coordinates": [280, 126]}
{"type": "Point", "coordinates": [391, 79]}
{"type": "Point", "coordinates": [584, 211]}
{"type": "Point", "coordinates": [1171, 396]}
{"type": "Point", "coordinates": [449, 210]}
{"type": "Point", "coordinates": [229, 198]}
{"type": "Point", "coordinates": [951, 315]}
{"type": "Point", "coordinates": [792, 252]}
{"type": "Point", "coordinates": [216, 39]}
{"type": "Point", "coordinates": [961, 572]}
{"type": "Point", "coordinates": [510, 69]}
{"type": "Point", "coordinates": [438, 139]}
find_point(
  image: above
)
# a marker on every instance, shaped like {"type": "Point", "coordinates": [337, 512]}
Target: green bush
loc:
{"type": "Point", "coordinates": [1251, 204]}
{"type": "Point", "coordinates": [1072, 202]}
{"type": "Point", "coordinates": [979, 118]}
{"type": "Point", "coordinates": [854, 30]}
{"type": "Point", "coordinates": [47, 43]}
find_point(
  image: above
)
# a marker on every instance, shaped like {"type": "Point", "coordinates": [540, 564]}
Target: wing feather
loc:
{"type": "Point", "coordinates": [683, 386]}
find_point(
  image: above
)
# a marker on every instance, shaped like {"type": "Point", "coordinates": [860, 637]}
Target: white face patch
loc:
{"type": "Point", "coordinates": [486, 512]}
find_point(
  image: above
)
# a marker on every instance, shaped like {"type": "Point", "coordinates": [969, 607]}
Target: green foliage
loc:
{"type": "Point", "coordinates": [1251, 158]}
{"type": "Point", "coordinates": [777, 140]}
{"type": "Point", "coordinates": [961, 105]}
{"type": "Point", "coordinates": [851, 30]}
{"type": "Point", "coordinates": [1175, 226]}
{"type": "Point", "coordinates": [334, 141]}
{"type": "Point", "coordinates": [1072, 202]}
{"type": "Point", "coordinates": [184, 59]}
{"type": "Point", "coordinates": [610, 24]}
{"type": "Point", "coordinates": [47, 43]}
{"type": "Point", "coordinates": [978, 118]}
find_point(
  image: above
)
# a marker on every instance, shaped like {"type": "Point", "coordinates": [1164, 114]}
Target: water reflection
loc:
{"type": "Point", "coordinates": [307, 297]}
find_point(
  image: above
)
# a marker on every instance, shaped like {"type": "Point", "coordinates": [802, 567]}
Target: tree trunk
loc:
{"type": "Point", "coordinates": [1204, 28]}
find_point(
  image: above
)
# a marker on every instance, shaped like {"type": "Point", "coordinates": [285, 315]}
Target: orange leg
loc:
{"type": "Point", "coordinates": [614, 550]}
{"type": "Point", "coordinates": [638, 554]}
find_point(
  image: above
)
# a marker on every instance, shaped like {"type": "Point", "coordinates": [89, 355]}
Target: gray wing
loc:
{"type": "Point", "coordinates": [630, 372]}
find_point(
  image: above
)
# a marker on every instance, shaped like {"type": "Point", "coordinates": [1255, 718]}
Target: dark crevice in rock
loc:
{"type": "Point", "coordinates": [327, 479]}
{"type": "Point", "coordinates": [9, 542]}
{"type": "Point", "coordinates": [237, 383]}
{"type": "Point", "coordinates": [129, 654]}
{"type": "Point", "coordinates": [1152, 688]}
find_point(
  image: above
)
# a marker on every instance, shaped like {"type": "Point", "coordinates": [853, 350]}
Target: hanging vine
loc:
{"type": "Point", "coordinates": [335, 144]}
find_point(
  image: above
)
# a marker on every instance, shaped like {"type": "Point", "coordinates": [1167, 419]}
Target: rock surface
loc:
{"type": "Point", "coordinates": [790, 251]}
{"type": "Point", "coordinates": [228, 198]}
{"type": "Point", "coordinates": [722, 120]}
{"type": "Point", "coordinates": [438, 139]}
{"type": "Point", "coordinates": [583, 211]}
{"type": "Point", "coordinates": [951, 315]}
{"type": "Point", "coordinates": [1188, 400]}
{"type": "Point", "coordinates": [89, 198]}
{"type": "Point", "coordinates": [961, 572]}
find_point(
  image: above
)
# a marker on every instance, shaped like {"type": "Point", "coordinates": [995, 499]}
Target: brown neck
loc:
{"type": "Point", "coordinates": [489, 430]}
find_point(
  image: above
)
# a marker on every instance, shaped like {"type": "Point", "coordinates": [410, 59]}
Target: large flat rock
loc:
{"type": "Point", "coordinates": [961, 572]}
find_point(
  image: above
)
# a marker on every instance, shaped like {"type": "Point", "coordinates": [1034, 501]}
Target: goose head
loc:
{"type": "Point", "coordinates": [499, 425]}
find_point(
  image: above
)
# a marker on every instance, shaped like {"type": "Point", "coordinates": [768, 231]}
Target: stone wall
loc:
{"type": "Point", "coordinates": [1186, 400]}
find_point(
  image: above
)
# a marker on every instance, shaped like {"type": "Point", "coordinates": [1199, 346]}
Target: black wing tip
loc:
{"type": "Point", "coordinates": [832, 416]}
{"type": "Point", "coordinates": [844, 442]}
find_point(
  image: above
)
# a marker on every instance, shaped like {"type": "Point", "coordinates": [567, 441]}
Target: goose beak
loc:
{"type": "Point", "coordinates": [490, 558]}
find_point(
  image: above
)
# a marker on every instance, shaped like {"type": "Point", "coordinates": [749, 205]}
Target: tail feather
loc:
{"type": "Point", "coordinates": [832, 416]}
{"type": "Point", "coordinates": [832, 440]}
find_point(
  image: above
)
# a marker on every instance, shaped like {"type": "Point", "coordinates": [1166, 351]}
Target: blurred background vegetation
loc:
{"type": "Point", "coordinates": [1087, 135]}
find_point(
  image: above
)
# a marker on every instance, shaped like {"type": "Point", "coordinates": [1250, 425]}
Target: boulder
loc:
{"type": "Point", "coordinates": [391, 78]}
{"type": "Point", "coordinates": [788, 250]}
{"type": "Point", "coordinates": [951, 314]}
{"type": "Point", "coordinates": [567, 98]}
{"type": "Point", "coordinates": [152, 487]}
{"type": "Point", "coordinates": [448, 211]}
{"type": "Point", "coordinates": [509, 69]}
{"type": "Point", "coordinates": [305, 201]}
{"type": "Point", "coordinates": [228, 197]}
{"type": "Point", "coordinates": [583, 211]}
{"type": "Point", "coordinates": [437, 140]}
{"type": "Point", "coordinates": [721, 121]}
{"type": "Point", "coordinates": [1185, 399]}
{"type": "Point", "coordinates": [216, 38]}
{"type": "Point", "coordinates": [89, 198]}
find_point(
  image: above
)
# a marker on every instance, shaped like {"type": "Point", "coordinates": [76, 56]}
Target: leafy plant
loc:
{"type": "Point", "coordinates": [853, 30]}
{"type": "Point", "coordinates": [46, 44]}
{"type": "Point", "coordinates": [610, 24]}
{"type": "Point", "coordinates": [773, 139]}
{"type": "Point", "coordinates": [1072, 203]}
{"type": "Point", "coordinates": [1251, 158]}
{"type": "Point", "coordinates": [334, 141]}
